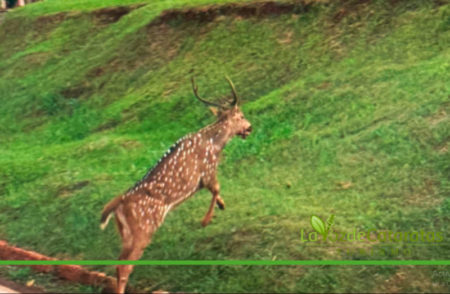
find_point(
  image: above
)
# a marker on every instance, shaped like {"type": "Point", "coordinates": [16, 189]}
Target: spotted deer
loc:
{"type": "Point", "coordinates": [188, 166]}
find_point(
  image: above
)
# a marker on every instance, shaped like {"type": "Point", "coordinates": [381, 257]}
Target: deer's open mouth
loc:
{"type": "Point", "coordinates": [245, 132]}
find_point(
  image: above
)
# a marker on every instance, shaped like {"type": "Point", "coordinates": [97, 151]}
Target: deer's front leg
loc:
{"type": "Point", "coordinates": [214, 188]}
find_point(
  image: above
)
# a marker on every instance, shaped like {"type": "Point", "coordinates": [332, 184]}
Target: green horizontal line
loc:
{"type": "Point", "coordinates": [225, 262]}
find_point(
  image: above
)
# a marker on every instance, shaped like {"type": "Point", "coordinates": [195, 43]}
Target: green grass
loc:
{"type": "Point", "coordinates": [359, 97]}
{"type": "Point", "coordinates": [57, 6]}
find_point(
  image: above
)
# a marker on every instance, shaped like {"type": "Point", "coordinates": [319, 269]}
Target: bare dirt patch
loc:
{"type": "Point", "coordinates": [78, 90]}
{"type": "Point", "coordinates": [53, 19]}
{"type": "Point", "coordinates": [408, 278]}
{"type": "Point", "coordinates": [37, 58]}
{"type": "Point", "coordinates": [67, 190]}
{"type": "Point", "coordinates": [440, 116]}
{"type": "Point", "coordinates": [426, 196]}
{"type": "Point", "coordinates": [101, 16]}
{"type": "Point", "coordinates": [106, 126]}
{"type": "Point", "coordinates": [112, 14]}
{"type": "Point", "coordinates": [243, 10]}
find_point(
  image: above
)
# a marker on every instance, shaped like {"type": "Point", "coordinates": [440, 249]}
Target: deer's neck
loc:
{"type": "Point", "coordinates": [218, 132]}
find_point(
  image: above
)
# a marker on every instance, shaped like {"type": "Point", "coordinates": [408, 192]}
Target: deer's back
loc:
{"type": "Point", "coordinates": [182, 171]}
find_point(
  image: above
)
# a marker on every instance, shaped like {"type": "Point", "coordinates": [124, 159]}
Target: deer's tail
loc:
{"type": "Point", "coordinates": [108, 210]}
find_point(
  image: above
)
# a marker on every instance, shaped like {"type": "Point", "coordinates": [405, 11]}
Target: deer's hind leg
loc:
{"type": "Point", "coordinates": [134, 252]}
{"type": "Point", "coordinates": [134, 241]}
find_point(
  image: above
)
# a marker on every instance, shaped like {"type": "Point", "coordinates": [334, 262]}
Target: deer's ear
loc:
{"type": "Point", "coordinates": [214, 110]}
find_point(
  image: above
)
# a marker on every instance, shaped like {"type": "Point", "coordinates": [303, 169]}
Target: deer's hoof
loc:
{"type": "Point", "coordinates": [205, 222]}
{"type": "Point", "coordinates": [220, 204]}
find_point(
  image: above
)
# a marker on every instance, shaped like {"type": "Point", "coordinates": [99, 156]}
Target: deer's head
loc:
{"type": "Point", "coordinates": [229, 114]}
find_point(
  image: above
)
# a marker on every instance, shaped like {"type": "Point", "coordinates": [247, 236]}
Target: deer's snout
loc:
{"type": "Point", "coordinates": [246, 132]}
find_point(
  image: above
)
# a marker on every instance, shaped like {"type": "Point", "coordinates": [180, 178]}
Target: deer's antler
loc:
{"type": "Point", "coordinates": [233, 91]}
{"type": "Point", "coordinates": [195, 89]}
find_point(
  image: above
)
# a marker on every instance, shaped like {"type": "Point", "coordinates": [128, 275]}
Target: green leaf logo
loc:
{"type": "Point", "coordinates": [330, 222]}
{"type": "Point", "coordinates": [318, 225]}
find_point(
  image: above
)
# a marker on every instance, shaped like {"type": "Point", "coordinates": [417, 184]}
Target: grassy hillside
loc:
{"type": "Point", "coordinates": [349, 102]}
